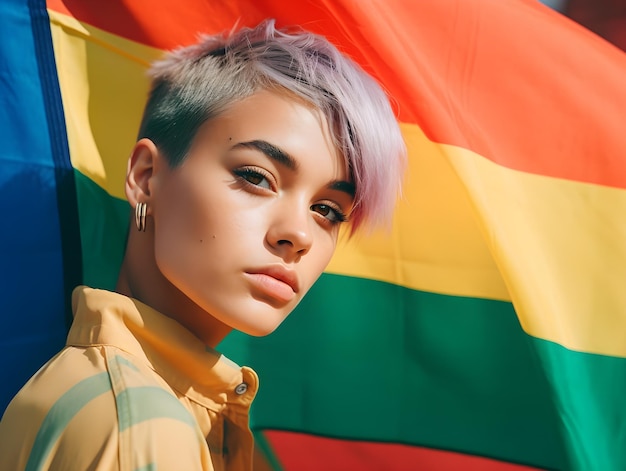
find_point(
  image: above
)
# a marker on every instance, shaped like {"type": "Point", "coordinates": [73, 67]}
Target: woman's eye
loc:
{"type": "Point", "coordinates": [334, 215]}
{"type": "Point", "coordinates": [253, 177]}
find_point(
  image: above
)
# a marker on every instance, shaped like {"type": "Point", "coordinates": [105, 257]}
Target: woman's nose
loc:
{"type": "Point", "coordinates": [290, 233]}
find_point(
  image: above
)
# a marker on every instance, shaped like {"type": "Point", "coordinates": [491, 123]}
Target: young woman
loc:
{"type": "Point", "coordinates": [255, 148]}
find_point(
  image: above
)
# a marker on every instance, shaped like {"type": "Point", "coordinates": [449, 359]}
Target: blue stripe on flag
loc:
{"type": "Point", "coordinates": [33, 161]}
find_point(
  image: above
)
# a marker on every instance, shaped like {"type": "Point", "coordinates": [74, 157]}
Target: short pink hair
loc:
{"type": "Point", "coordinates": [194, 84]}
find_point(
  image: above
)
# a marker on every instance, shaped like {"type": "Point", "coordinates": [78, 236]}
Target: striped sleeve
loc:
{"type": "Point", "coordinates": [94, 408]}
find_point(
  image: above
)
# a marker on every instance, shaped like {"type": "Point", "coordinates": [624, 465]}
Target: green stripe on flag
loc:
{"type": "Point", "coordinates": [367, 360]}
{"type": "Point", "coordinates": [589, 391]}
{"type": "Point", "coordinates": [103, 228]}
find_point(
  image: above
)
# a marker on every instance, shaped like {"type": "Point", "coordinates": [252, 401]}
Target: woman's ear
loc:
{"type": "Point", "coordinates": [141, 168]}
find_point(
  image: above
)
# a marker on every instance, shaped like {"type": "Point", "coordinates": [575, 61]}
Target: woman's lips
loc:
{"type": "Point", "coordinates": [272, 287]}
{"type": "Point", "coordinates": [277, 283]}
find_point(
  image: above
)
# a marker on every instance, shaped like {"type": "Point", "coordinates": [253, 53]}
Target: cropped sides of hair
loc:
{"type": "Point", "coordinates": [195, 83]}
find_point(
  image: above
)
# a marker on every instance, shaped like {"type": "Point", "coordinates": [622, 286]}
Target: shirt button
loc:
{"type": "Point", "coordinates": [240, 389]}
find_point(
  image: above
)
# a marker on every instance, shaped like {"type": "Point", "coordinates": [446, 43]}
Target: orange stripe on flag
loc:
{"type": "Point", "coordinates": [507, 80]}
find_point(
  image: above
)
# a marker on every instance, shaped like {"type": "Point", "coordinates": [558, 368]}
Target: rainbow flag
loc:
{"type": "Point", "coordinates": [485, 331]}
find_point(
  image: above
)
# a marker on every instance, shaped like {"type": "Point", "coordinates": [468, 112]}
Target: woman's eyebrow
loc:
{"type": "Point", "coordinates": [344, 186]}
{"type": "Point", "coordinates": [283, 158]}
{"type": "Point", "coordinates": [270, 150]}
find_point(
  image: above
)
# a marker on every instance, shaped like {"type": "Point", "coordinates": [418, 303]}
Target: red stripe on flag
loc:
{"type": "Point", "coordinates": [302, 452]}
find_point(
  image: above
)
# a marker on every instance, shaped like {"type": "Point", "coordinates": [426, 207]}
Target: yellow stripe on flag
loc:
{"type": "Point", "coordinates": [104, 87]}
{"type": "Point", "coordinates": [561, 248]}
{"type": "Point", "coordinates": [435, 244]}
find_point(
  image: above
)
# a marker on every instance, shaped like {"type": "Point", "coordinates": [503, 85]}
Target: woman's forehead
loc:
{"type": "Point", "coordinates": [282, 121]}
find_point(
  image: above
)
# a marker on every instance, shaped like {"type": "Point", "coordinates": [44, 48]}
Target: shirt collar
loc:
{"type": "Point", "coordinates": [193, 369]}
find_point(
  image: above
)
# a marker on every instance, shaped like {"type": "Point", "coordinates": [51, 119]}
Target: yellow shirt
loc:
{"type": "Point", "coordinates": [132, 391]}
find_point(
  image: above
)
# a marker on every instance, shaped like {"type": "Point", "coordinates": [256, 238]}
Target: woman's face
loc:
{"type": "Point", "coordinates": [250, 220]}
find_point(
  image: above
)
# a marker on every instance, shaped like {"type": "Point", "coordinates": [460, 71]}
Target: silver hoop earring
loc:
{"type": "Point", "coordinates": [140, 216]}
